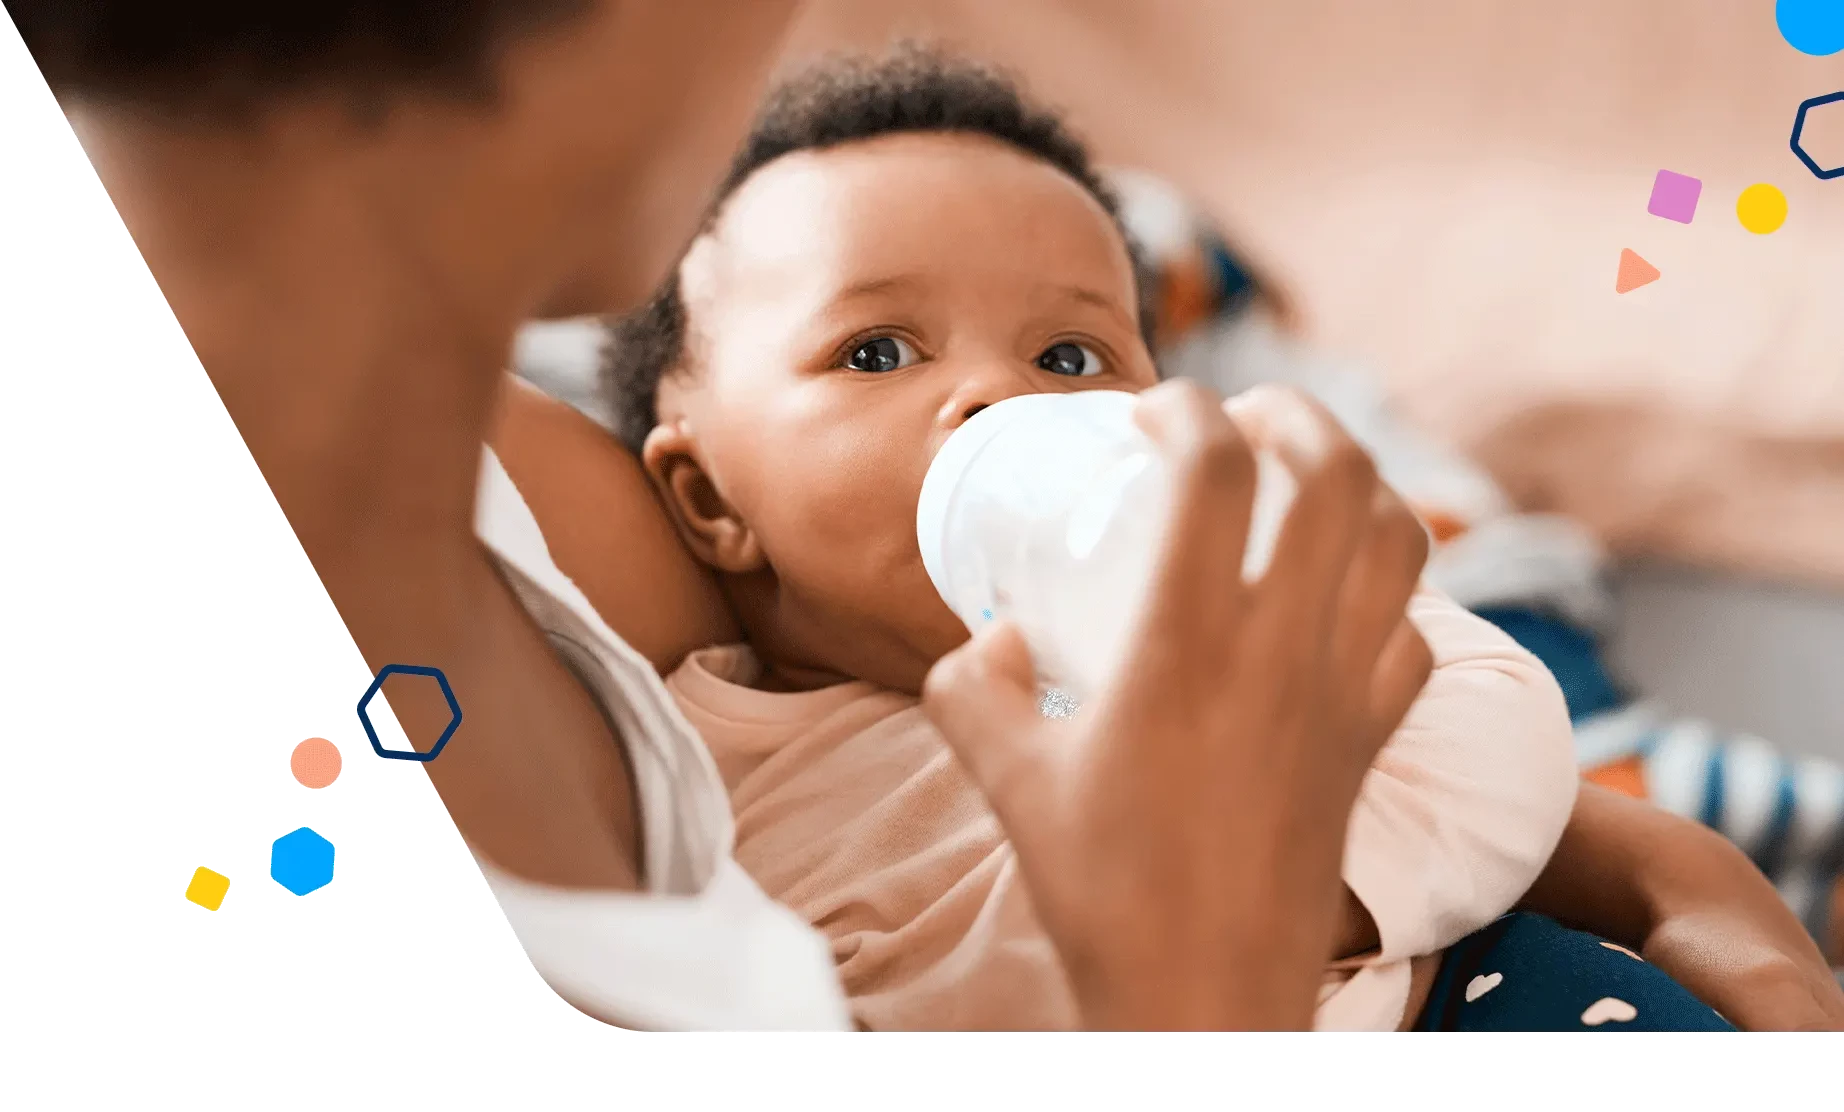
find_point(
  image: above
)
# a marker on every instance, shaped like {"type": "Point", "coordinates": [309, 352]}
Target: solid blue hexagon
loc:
{"type": "Point", "coordinates": [1799, 126]}
{"type": "Point", "coordinates": [448, 694]}
{"type": "Point", "coordinates": [301, 861]}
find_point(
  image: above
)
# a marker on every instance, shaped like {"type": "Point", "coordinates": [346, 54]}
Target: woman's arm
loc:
{"type": "Point", "coordinates": [1694, 905]}
{"type": "Point", "coordinates": [607, 531]}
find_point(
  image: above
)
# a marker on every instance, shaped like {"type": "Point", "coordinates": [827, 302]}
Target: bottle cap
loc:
{"type": "Point", "coordinates": [1057, 416]}
{"type": "Point", "coordinates": [950, 465]}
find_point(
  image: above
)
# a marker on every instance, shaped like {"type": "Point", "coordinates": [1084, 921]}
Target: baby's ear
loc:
{"type": "Point", "coordinates": [710, 527]}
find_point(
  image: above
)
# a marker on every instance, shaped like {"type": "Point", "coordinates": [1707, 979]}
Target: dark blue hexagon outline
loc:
{"type": "Point", "coordinates": [1799, 125]}
{"type": "Point", "coordinates": [448, 693]}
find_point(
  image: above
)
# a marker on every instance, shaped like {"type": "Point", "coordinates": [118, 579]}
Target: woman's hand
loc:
{"type": "Point", "coordinates": [1693, 904]}
{"type": "Point", "coordinates": [1182, 836]}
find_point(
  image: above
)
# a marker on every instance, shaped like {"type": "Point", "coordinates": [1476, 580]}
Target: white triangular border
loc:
{"type": "Point", "coordinates": [19, 41]}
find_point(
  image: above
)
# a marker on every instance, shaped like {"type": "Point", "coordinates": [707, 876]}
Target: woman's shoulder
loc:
{"type": "Point", "coordinates": [606, 529]}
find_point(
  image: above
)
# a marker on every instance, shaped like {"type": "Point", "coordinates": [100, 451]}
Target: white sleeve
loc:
{"type": "Point", "coordinates": [728, 959]}
{"type": "Point", "coordinates": [703, 949]}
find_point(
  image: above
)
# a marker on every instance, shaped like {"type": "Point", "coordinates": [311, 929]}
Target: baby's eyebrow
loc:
{"type": "Point", "coordinates": [1090, 297]}
{"type": "Point", "coordinates": [1099, 300]}
{"type": "Point", "coordinates": [872, 287]}
{"type": "Point", "coordinates": [911, 283]}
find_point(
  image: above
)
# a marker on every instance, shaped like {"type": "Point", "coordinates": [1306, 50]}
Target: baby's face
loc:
{"type": "Point", "coordinates": [849, 311]}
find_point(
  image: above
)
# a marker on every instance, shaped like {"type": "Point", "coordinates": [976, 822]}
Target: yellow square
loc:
{"type": "Point", "coordinates": [207, 888]}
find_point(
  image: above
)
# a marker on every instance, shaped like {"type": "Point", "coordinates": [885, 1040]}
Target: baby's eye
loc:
{"type": "Point", "coordinates": [1070, 359]}
{"type": "Point", "coordinates": [885, 353]}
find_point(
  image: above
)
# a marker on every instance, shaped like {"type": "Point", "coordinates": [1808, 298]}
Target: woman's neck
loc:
{"type": "Point", "coordinates": [354, 342]}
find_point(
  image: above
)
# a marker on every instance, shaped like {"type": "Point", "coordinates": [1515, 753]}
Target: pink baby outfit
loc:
{"type": "Point", "coordinates": [851, 810]}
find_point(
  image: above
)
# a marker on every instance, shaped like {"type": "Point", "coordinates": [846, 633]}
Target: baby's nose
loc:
{"type": "Point", "coordinates": [977, 394]}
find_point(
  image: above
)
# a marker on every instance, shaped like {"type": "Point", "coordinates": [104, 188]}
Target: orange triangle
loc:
{"type": "Point", "coordinates": [1634, 272]}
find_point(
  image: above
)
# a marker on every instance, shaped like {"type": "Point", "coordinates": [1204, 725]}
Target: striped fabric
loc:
{"type": "Point", "coordinates": [1785, 813]}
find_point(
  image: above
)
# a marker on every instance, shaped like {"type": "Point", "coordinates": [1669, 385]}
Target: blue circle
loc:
{"type": "Point", "coordinates": [1813, 27]}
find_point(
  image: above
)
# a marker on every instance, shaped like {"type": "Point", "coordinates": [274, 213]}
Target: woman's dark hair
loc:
{"type": "Point", "coordinates": [837, 102]}
{"type": "Point", "coordinates": [214, 56]}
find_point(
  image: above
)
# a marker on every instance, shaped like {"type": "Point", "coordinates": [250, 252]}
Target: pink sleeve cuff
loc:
{"type": "Point", "coordinates": [1468, 799]}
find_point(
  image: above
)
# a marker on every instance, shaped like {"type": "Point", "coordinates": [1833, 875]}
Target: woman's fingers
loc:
{"type": "Point", "coordinates": [1383, 576]}
{"type": "Point", "coordinates": [983, 698]}
{"type": "Point", "coordinates": [1332, 507]}
{"type": "Point", "coordinates": [1213, 495]}
{"type": "Point", "coordinates": [1402, 670]}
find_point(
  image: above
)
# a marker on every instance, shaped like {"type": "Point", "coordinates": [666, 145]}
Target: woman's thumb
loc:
{"type": "Point", "coordinates": [983, 698]}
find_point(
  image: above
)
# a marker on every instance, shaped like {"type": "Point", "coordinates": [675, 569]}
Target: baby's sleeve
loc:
{"type": "Point", "coordinates": [1468, 799]}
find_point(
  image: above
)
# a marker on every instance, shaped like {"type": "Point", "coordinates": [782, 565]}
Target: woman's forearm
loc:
{"type": "Point", "coordinates": [1625, 868]}
{"type": "Point", "coordinates": [1598, 879]}
{"type": "Point", "coordinates": [1691, 902]}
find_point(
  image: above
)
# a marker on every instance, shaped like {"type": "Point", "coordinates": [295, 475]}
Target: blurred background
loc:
{"type": "Point", "coordinates": [1443, 191]}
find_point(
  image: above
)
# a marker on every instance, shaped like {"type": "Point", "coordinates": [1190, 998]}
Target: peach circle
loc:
{"type": "Point", "coordinates": [315, 762]}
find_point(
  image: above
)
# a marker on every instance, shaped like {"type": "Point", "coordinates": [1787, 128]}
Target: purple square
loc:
{"type": "Point", "coordinates": [1674, 196]}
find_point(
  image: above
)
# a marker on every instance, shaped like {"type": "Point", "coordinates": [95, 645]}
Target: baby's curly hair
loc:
{"type": "Point", "coordinates": [842, 101]}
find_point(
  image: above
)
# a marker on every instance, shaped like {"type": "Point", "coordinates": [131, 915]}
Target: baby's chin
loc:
{"type": "Point", "coordinates": [924, 625]}
{"type": "Point", "coordinates": [949, 635]}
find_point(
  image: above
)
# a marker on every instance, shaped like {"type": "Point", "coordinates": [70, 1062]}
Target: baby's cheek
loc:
{"type": "Point", "coordinates": [837, 518]}
{"type": "Point", "coordinates": [859, 557]}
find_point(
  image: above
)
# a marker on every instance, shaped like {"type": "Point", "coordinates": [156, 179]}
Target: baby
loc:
{"type": "Point", "coordinates": [899, 246]}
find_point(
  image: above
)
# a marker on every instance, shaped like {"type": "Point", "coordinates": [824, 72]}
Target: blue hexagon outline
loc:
{"type": "Point", "coordinates": [448, 693]}
{"type": "Point", "coordinates": [296, 834]}
{"type": "Point", "coordinates": [1799, 126]}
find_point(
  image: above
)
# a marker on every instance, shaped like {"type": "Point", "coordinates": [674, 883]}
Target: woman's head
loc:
{"type": "Point", "coordinates": [540, 117]}
{"type": "Point", "coordinates": [899, 245]}
{"type": "Point", "coordinates": [194, 57]}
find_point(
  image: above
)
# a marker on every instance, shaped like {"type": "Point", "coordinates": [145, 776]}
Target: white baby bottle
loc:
{"type": "Point", "coordinates": [1049, 510]}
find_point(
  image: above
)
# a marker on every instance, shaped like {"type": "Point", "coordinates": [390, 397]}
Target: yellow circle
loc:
{"type": "Point", "coordinates": [1761, 208]}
